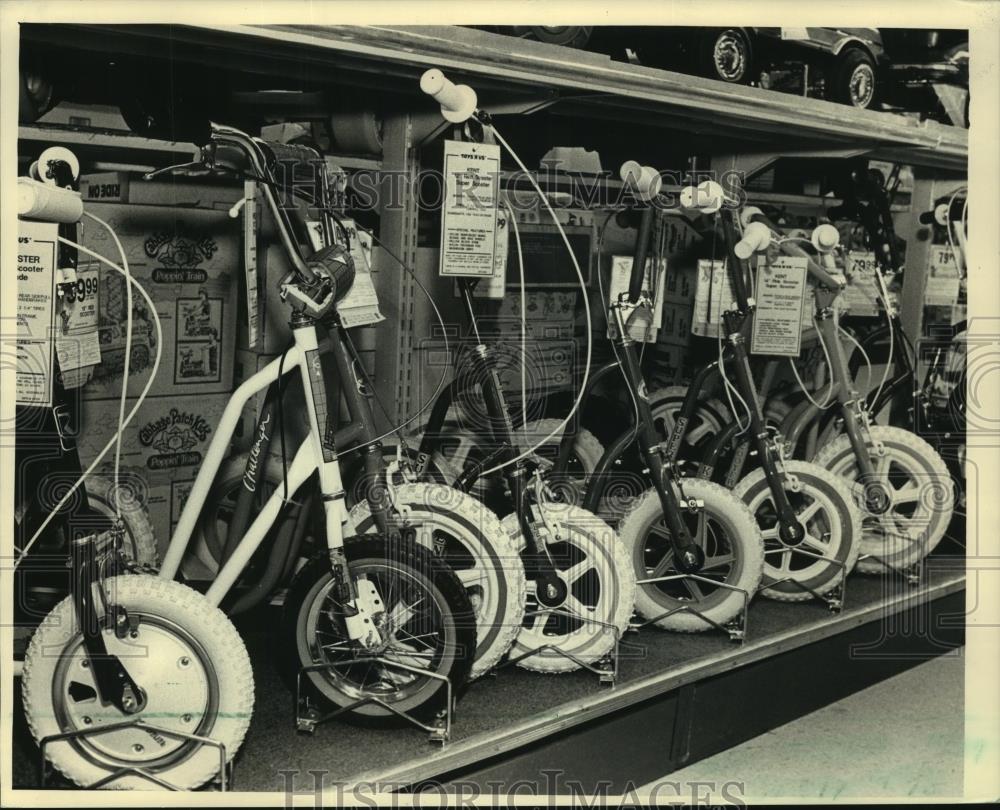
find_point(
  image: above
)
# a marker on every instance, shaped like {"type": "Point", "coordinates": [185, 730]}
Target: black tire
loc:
{"type": "Point", "coordinates": [369, 555]}
{"type": "Point", "coordinates": [569, 36]}
{"type": "Point", "coordinates": [213, 522]}
{"type": "Point", "coordinates": [854, 80]}
{"type": "Point", "coordinates": [727, 56]}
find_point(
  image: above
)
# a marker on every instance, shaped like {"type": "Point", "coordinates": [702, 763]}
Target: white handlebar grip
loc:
{"type": "Point", "coordinates": [825, 238]}
{"type": "Point", "coordinates": [47, 203]}
{"type": "Point", "coordinates": [756, 237]}
{"type": "Point", "coordinates": [747, 212]}
{"type": "Point", "coordinates": [53, 154]}
{"type": "Point", "coordinates": [458, 101]}
{"type": "Point", "coordinates": [644, 181]}
{"type": "Point", "coordinates": [710, 197]}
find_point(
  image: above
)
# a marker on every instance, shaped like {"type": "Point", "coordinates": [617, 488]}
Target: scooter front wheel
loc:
{"type": "Point", "coordinates": [822, 504]}
{"type": "Point", "coordinates": [187, 659]}
{"type": "Point", "coordinates": [424, 624]}
{"type": "Point", "coordinates": [734, 554]}
{"type": "Point", "coordinates": [921, 492]}
{"type": "Point", "coordinates": [600, 593]}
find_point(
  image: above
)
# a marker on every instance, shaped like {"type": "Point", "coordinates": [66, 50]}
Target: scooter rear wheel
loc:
{"type": "Point", "coordinates": [183, 653]}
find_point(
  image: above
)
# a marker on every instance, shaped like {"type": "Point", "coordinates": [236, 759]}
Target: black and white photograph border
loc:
{"type": "Point", "coordinates": [638, 454]}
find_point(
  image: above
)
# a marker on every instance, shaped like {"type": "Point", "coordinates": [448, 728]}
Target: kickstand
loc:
{"type": "Point", "coordinates": [223, 780]}
{"type": "Point", "coordinates": [912, 574]}
{"type": "Point", "coordinates": [834, 598]}
{"type": "Point", "coordinates": [606, 668]}
{"type": "Point", "coordinates": [308, 716]}
{"type": "Point", "coordinates": [735, 628]}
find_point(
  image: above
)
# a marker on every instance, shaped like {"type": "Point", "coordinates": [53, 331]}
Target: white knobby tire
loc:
{"type": "Point", "coordinates": [899, 538]}
{"type": "Point", "coordinates": [130, 498]}
{"type": "Point", "coordinates": [731, 537]}
{"type": "Point", "coordinates": [601, 588]}
{"type": "Point", "coordinates": [710, 416]}
{"type": "Point", "coordinates": [188, 659]}
{"type": "Point", "coordinates": [469, 537]}
{"type": "Point", "coordinates": [824, 502]}
{"type": "Point", "coordinates": [587, 451]}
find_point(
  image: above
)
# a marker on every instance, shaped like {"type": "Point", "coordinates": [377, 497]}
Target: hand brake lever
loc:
{"type": "Point", "coordinates": [188, 168]}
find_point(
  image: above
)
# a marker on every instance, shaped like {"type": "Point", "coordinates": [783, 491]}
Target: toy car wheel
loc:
{"type": "Point", "coordinates": [571, 36]}
{"type": "Point", "coordinates": [854, 80]}
{"type": "Point", "coordinates": [728, 56]}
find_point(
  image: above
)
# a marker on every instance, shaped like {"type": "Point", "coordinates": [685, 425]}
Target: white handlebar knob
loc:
{"type": "Point", "coordinates": [747, 213]}
{"type": "Point", "coordinates": [710, 197]}
{"type": "Point", "coordinates": [458, 101]}
{"type": "Point", "coordinates": [51, 155]}
{"type": "Point", "coordinates": [756, 237]}
{"type": "Point", "coordinates": [825, 237]}
{"type": "Point", "coordinates": [644, 181]}
{"type": "Point", "coordinates": [687, 197]}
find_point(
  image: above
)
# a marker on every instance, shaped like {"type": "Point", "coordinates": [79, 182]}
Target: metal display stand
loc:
{"type": "Point", "coordinates": [606, 668]}
{"type": "Point", "coordinates": [735, 628]}
{"type": "Point", "coordinates": [223, 780]}
{"type": "Point", "coordinates": [308, 716]}
{"type": "Point", "coordinates": [834, 598]}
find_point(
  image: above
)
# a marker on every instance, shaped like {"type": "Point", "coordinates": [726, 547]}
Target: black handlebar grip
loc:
{"type": "Point", "coordinates": [336, 264]}
{"type": "Point", "coordinates": [290, 153]}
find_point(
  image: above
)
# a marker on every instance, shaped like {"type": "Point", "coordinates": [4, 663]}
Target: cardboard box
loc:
{"type": "Point", "coordinates": [163, 448]}
{"type": "Point", "coordinates": [676, 323]}
{"type": "Point", "coordinates": [129, 187]}
{"type": "Point", "coordinates": [188, 261]}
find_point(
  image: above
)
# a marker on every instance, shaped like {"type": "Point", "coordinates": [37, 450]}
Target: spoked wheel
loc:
{"type": "Point", "coordinates": [186, 657]}
{"type": "Point", "coordinates": [592, 563]}
{"type": "Point", "coordinates": [921, 491]}
{"type": "Point", "coordinates": [423, 619]}
{"type": "Point", "coordinates": [734, 556]}
{"type": "Point", "coordinates": [823, 505]}
{"type": "Point", "coordinates": [468, 537]}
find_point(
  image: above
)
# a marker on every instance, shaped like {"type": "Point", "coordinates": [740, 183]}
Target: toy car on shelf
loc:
{"type": "Point", "coordinates": [844, 64]}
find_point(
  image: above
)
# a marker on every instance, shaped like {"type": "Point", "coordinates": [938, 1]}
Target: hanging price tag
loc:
{"type": "Point", "coordinates": [943, 278]}
{"type": "Point", "coordinates": [360, 306]}
{"type": "Point", "coordinates": [860, 297]}
{"type": "Point", "coordinates": [645, 324]}
{"type": "Point", "coordinates": [714, 295]}
{"type": "Point", "coordinates": [777, 323]}
{"type": "Point", "coordinates": [250, 260]}
{"type": "Point", "coordinates": [469, 213]}
{"type": "Point", "coordinates": [494, 286]}
{"type": "Point", "coordinates": [77, 346]}
{"type": "Point", "coordinates": [36, 311]}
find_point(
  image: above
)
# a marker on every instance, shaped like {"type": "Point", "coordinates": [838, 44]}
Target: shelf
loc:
{"type": "Point", "coordinates": [520, 75]}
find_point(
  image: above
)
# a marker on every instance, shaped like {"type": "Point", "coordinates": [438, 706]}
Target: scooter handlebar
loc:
{"type": "Point", "coordinates": [643, 181]}
{"type": "Point", "coordinates": [458, 101]}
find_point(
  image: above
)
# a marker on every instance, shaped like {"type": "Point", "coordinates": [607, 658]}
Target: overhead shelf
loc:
{"type": "Point", "coordinates": [508, 70]}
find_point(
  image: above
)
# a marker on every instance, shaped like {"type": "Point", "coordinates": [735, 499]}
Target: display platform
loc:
{"type": "Point", "coordinates": [678, 698]}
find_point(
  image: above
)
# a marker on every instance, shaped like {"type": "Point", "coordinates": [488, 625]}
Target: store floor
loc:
{"type": "Point", "coordinates": [902, 737]}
